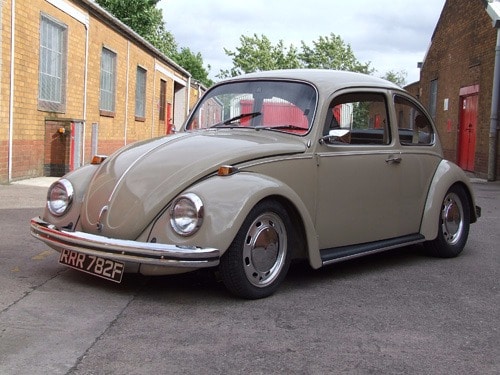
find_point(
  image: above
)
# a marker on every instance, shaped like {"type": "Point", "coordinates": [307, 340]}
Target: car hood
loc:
{"type": "Point", "coordinates": [136, 183]}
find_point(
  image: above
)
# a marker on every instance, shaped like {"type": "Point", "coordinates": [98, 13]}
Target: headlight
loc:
{"type": "Point", "coordinates": [59, 197]}
{"type": "Point", "coordinates": [186, 214]}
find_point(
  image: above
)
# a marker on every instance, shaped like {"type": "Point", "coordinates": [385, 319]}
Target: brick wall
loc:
{"type": "Point", "coordinates": [30, 134]}
{"type": "Point", "coordinates": [462, 54]}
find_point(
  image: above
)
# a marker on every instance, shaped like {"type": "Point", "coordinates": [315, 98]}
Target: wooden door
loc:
{"type": "Point", "coordinates": [467, 132]}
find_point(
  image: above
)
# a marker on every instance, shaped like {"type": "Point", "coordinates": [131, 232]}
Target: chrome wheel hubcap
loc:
{"type": "Point", "coordinates": [452, 215]}
{"type": "Point", "coordinates": [265, 249]}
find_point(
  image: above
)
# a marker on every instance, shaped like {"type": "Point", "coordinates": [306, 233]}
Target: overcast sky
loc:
{"type": "Point", "coordinates": [391, 34]}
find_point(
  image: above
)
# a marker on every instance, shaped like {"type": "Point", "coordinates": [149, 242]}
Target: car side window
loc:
{"type": "Point", "coordinates": [360, 119]}
{"type": "Point", "coordinates": [414, 127]}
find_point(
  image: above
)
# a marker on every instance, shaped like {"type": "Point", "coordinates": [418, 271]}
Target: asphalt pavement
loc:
{"type": "Point", "coordinates": [399, 312]}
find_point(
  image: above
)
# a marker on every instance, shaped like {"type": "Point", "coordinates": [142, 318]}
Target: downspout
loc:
{"type": "Point", "coordinates": [125, 123]}
{"type": "Point", "coordinates": [495, 103]}
{"type": "Point", "coordinates": [153, 101]}
{"type": "Point", "coordinates": [188, 101]}
{"type": "Point", "coordinates": [11, 94]}
{"type": "Point", "coordinates": [493, 9]}
{"type": "Point", "coordinates": [85, 82]}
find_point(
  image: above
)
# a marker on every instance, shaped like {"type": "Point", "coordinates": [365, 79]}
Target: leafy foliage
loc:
{"type": "Point", "coordinates": [145, 19]}
{"type": "Point", "coordinates": [399, 78]}
{"type": "Point", "coordinates": [258, 54]}
{"type": "Point", "coordinates": [142, 16]}
{"type": "Point", "coordinates": [193, 63]}
{"type": "Point", "coordinates": [331, 52]}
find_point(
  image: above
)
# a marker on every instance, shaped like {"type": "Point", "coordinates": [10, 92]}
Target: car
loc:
{"type": "Point", "coordinates": [315, 165]}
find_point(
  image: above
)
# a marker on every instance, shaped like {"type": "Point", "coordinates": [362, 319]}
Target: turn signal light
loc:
{"type": "Point", "coordinates": [226, 170]}
{"type": "Point", "coordinates": [98, 159]}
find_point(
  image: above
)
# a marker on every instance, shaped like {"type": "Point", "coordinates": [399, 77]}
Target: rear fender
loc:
{"type": "Point", "coordinates": [447, 175]}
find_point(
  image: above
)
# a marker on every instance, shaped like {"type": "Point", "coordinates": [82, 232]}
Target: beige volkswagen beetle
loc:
{"type": "Point", "coordinates": [269, 167]}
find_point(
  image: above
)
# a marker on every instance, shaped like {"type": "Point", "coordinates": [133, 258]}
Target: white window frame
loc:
{"type": "Point", "coordinates": [107, 82]}
{"type": "Point", "coordinates": [140, 93]}
{"type": "Point", "coordinates": [52, 65]}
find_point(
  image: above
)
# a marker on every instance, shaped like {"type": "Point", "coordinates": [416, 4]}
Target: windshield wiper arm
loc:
{"type": "Point", "coordinates": [236, 118]}
{"type": "Point", "coordinates": [281, 127]}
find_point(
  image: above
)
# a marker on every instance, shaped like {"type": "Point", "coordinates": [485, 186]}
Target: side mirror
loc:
{"type": "Point", "coordinates": [336, 136]}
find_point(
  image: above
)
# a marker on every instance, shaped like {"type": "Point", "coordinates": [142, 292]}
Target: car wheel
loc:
{"type": "Point", "coordinates": [454, 222]}
{"type": "Point", "coordinates": [259, 257]}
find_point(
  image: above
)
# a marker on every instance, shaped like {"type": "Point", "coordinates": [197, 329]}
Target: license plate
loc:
{"type": "Point", "coordinates": [106, 268]}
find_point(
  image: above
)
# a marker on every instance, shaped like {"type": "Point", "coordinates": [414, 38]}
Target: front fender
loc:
{"type": "Point", "coordinates": [80, 180]}
{"type": "Point", "coordinates": [227, 202]}
{"type": "Point", "coordinates": [447, 174]}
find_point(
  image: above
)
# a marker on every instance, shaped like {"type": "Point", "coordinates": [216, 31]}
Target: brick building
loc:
{"type": "Point", "coordinates": [75, 81]}
{"type": "Point", "coordinates": [458, 87]}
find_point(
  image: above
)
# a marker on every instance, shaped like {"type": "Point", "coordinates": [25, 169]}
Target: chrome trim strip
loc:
{"type": "Point", "coordinates": [374, 251]}
{"type": "Point", "coordinates": [273, 159]}
{"type": "Point", "coordinates": [358, 152]}
{"type": "Point", "coordinates": [167, 255]}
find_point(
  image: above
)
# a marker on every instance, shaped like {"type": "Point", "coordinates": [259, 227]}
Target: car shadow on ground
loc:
{"type": "Point", "coordinates": [301, 272]}
{"type": "Point", "coordinates": [205, 284]}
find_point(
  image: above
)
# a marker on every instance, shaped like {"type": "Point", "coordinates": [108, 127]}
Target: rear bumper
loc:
{"type": "Point", "coordinates": [154, 254]}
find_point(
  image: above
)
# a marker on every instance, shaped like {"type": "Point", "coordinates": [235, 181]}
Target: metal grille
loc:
{"type": "Point", "coordinates": [108, 73]}
{"type": "Point", "coordinates": [51, 90]}
{"type": "Point", "coordinates": [140, 93]}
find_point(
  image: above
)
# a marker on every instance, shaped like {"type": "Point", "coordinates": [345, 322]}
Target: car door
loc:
{"type": "Point", "coordinates": [358, 173]}
{"type": "Point", "coordinates": [420, 156]}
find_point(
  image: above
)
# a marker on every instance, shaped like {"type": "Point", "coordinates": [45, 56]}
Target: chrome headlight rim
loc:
{"type": "Point", "coordinates": [182, 224]}
{"type": "Point", "coordinates": [58, 207]}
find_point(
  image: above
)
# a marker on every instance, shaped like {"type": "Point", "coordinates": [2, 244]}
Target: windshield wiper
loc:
{"type": "Point", "coordinates": [236, 118]}
{"type": "Point", "coordinates": [282, 127]}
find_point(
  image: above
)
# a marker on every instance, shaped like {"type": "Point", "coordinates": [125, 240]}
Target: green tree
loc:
{"type": "Point", "coordinates": [146, 19]}
{"type": "Point", "coordinates": [257, 53]}
{"type": "Point", "coordinates": [193, 63]}
{"type": "Point", "coordinates": [142, 16]}
{"type": "Point", "coordinates": [399, 78]}
{"type": "Point", "coordinates": [331, 52]}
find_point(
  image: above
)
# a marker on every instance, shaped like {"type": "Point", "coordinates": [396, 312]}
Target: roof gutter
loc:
{"type": "Point", "coordinates": [107, 17]}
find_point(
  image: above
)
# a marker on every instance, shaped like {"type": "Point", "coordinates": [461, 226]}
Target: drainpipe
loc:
{"type": "Point", "coordinates": [188, 101]}
{"type": "Point", "coordinates": [85, 84]}
{"type": "Point", "coordinates": [127, 81]}
{"type": "Point", "coordinates": [493, 9]}
{"type": "Point", "coordinates": [493, 138]}
{"type": "Point", "coordinates": [11, 94]}
{"type": "Point", "coordinates": [153, 106]}
{"type": "Point", "coordinates": [495, 103]}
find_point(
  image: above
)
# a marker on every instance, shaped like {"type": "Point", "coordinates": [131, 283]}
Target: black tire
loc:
{"type": "Point", "coordinates": [258, 259]}
{"type": "Point", "coordinates": [454, 222]}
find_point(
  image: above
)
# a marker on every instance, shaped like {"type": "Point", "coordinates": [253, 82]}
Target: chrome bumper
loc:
{"type": "Point", "coordinates": [156, 254]}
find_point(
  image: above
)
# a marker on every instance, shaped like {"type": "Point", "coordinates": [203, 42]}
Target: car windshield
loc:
{"type": "Point", "coordinates": [272, 105]}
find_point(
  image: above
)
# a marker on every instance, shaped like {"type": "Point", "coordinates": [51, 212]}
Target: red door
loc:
{"type": "Point", "coordinates": [467, 132]}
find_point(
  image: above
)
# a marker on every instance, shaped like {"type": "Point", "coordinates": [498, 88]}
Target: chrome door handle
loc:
{"type": "Point", "coordinates": [393, 159]}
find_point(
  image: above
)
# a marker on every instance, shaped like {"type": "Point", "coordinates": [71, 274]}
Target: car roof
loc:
{"type": "Point", "coordinates": [329, 80]}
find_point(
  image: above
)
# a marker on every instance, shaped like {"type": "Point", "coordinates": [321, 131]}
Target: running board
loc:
{"type": "Point", "coordinates": [338, 254]}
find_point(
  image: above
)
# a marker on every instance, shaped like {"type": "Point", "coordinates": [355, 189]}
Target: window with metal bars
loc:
{"type": "Point", "coordinates": [140, 94]}
{"type": "Point", "coordinates": [108, 82]}
{"type": "Point", "coordinates": [52, 68]}
{"type": "Point", "coordinates": [163, 99]}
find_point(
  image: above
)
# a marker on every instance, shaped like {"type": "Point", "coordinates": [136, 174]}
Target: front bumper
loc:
{"type": "Point", "coordinates": [154, 254]}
